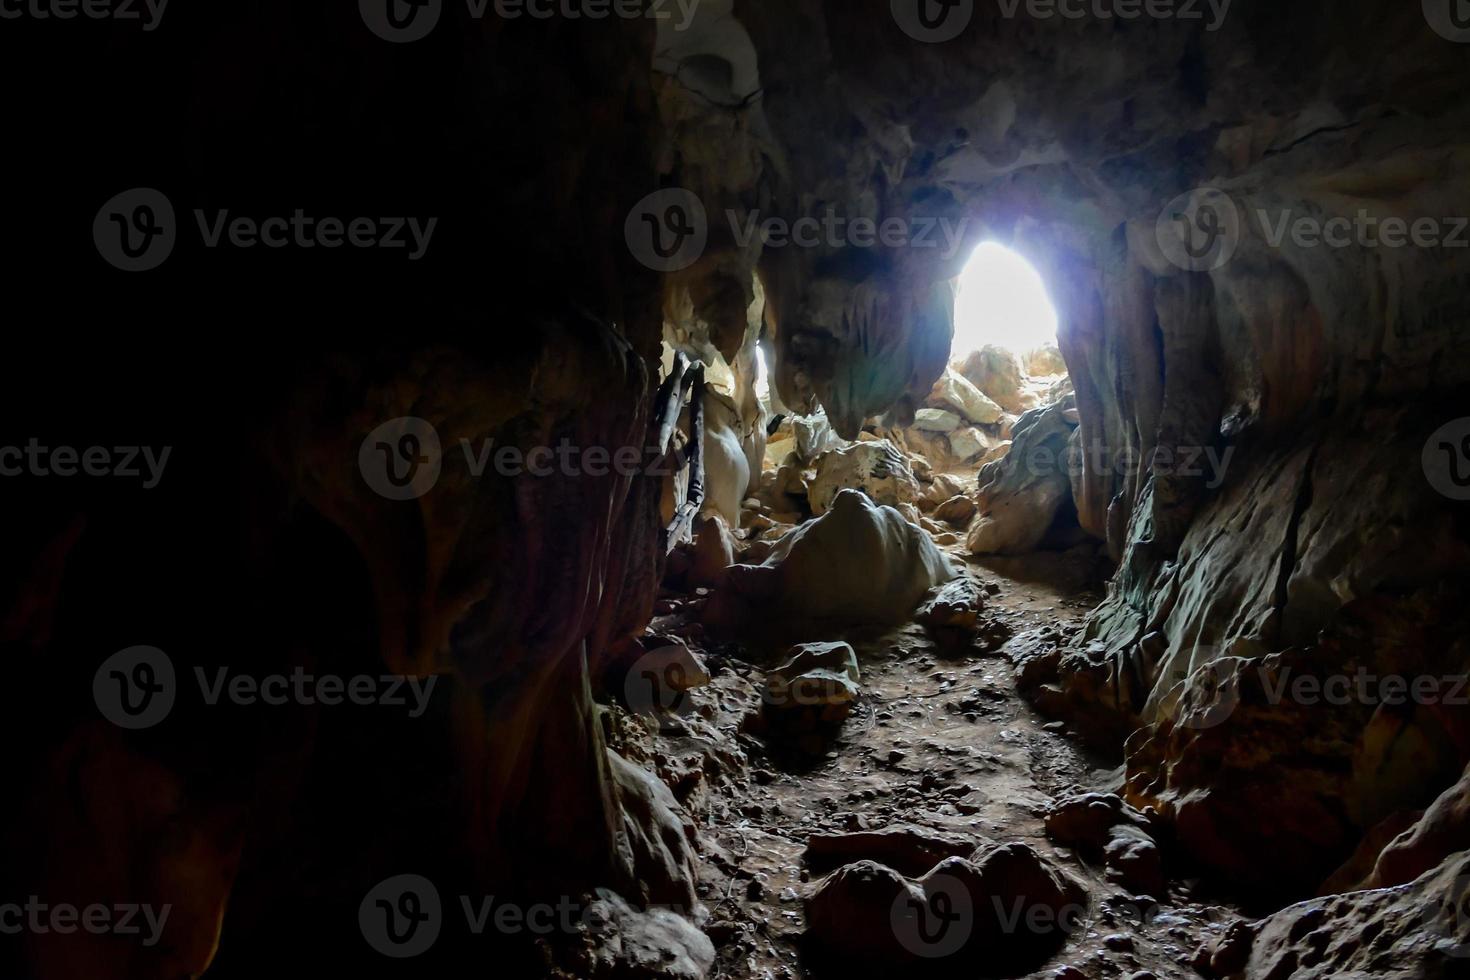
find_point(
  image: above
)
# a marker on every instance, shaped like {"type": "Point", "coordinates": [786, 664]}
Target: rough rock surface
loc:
{"type": "Point", "coordinates": [1021, 493]}
{"type": "Point", "coordinates": [877, 469]}
{"type": "Point", "coordinates": [857, 563]}
{"type": "Point", "coordinates": [1415, 931]}
{"type": "Point", "coordinates": [625, 943]}
{"type": "Point", "coordinates": [1003, 907]}
{"type": "Point", "coordinates": [955, 391]}
{"type": "Point", "coordinates": [998, 375]}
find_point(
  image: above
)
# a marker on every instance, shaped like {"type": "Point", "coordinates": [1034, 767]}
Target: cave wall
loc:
{"type": "Point", "coordinates": [1253, 430]}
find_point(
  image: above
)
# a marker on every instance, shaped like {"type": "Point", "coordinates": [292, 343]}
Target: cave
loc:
{"type": "Point", "coordinates": [616, 489]}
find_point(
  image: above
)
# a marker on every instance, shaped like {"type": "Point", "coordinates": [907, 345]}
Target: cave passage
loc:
{"type": "Point", "coordinates": [735, 490]}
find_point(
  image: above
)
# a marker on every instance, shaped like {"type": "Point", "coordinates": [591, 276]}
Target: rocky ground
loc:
{"type": "Point", "coordinates": [939, 748]}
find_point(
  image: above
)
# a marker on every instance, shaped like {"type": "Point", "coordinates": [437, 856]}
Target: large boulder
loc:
{"type": "Point", "coordinates": [1004, 908]}
{"type": "Point", "coordinates": [877, 469]}
{"type": "Point", "coordinates": [954, 391]}
{"type": "Point", "coordinates": [998, 374]}
{"type": "Point", "coordinates": [1044, 362]}
{"type": "Point", "coordinates": [1416, 931]}
{"type": "Point", "coordinates": [857, 563]}
{"type": "Point", "coordinates": [1021, 493]}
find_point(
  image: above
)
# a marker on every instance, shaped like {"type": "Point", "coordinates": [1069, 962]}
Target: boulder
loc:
{"type": "Point", "coordinates": [1021, 493]}
{"type": "Point", "coordinates": [857, 563]}
{"type": "Point", "coordinates": [998, 374]}
{"type": "Point", "coordinates": [818, 677]}
{"type": "Point", "coordinates": [968, 443]}
{"type": "Point", "coordinates": [1443, 829]}
{"type": "Point", "coordinates": [955, 392]}
{"type": "Point", "coordinates": [907, 849]}
{"type": "Point", "coordinates": [712, 553]}
{"type": "Point", "coordinates": [936, 420]}
{"type": "Point", "coordinates": [814, 436]}
{"type": "Point", "coordinates": [943, 488]}
{"type": "Point", "coordinates": [633, 944]}
{"type": "Point", "coordinates": [957, 510]}
{"type": "Point", "coordinates": [1044, 362]}
{"type": "Point", "coordinates": [1417, 931]}
{"type": "Point", "coordinates": [1004, 908]}
{"type": "Point", "coordinates": [877, 469]}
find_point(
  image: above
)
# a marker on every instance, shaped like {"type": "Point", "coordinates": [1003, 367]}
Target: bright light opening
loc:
{"type": "Point", "coordinates": [762, 376]}
{"type": "Point", "coordinates": [1002, 301]}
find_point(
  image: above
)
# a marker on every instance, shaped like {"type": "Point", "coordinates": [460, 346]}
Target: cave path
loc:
{"type": "Point", "coordinates": [939, 742]}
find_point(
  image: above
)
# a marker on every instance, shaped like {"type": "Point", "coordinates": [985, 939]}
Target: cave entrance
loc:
{"type": "Point", "coordinates": [1002, 301]}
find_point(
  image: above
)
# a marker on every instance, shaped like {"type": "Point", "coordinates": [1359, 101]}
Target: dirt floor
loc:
{"type": "Point", "coordinates": [938, 742]}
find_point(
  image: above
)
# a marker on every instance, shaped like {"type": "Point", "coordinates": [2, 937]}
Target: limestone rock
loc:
{"type": "Point", "coordinates": [631, 944]}
{"type": "Point", "coordinates": [954, 391]}
{"type": "Point", "coordinates": [857, 563]}
{"type": "Point", "coordinates": [968, 443]}
{"type": "Point", "coordinates": [936, 420]}
{"type": "Point", "coordinates": [955, 606]}
{"type": "Point", "coordinates": [944, 487]}
{"type": "Point", "coordinates": [815, 675]}
{"type": "Point", "coordinates": [1004, 907]}
{"type": "Point", "coordinates": [814, 437]}
{"type": "Point", "coordinates": [957, 510]}
{"type": "Point", "coordinates": [655, 842]}
{"type": "Point", "coordinates": [1044, 362]}
{"type": "Point", "coordinates": [1021, 493]}
{"type": "Point", "coordinates": [1134, 861]}
{"type": "Point", "coordinates": [998, 374]}
{"type": "Point", "coordinates": [1086, 822]}
{"type": "Point", "coordinates": [713, 552]}
{"type": "Point", "coordinates": [907, 849]}
{"type": "Point", "coordinates": [1416, 931]}
{"type": "Point", "coordinates": [877, 469]}
{"type": "Point", "coordinates": [677, 666]}
{"type": "Point", "coordinates": [1443, 829]}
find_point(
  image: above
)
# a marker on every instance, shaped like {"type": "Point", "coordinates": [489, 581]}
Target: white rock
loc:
{"type": "Point", "coordinates": [936, 420]}
{"type": "Point", "coordinates": [955, 390]}
{"type": "Point", "coordinates": [878, 469]}
{"type": "Point", "coordinates": [858, 563]}
{"type": "Point", "coordinates": [968, 443]}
